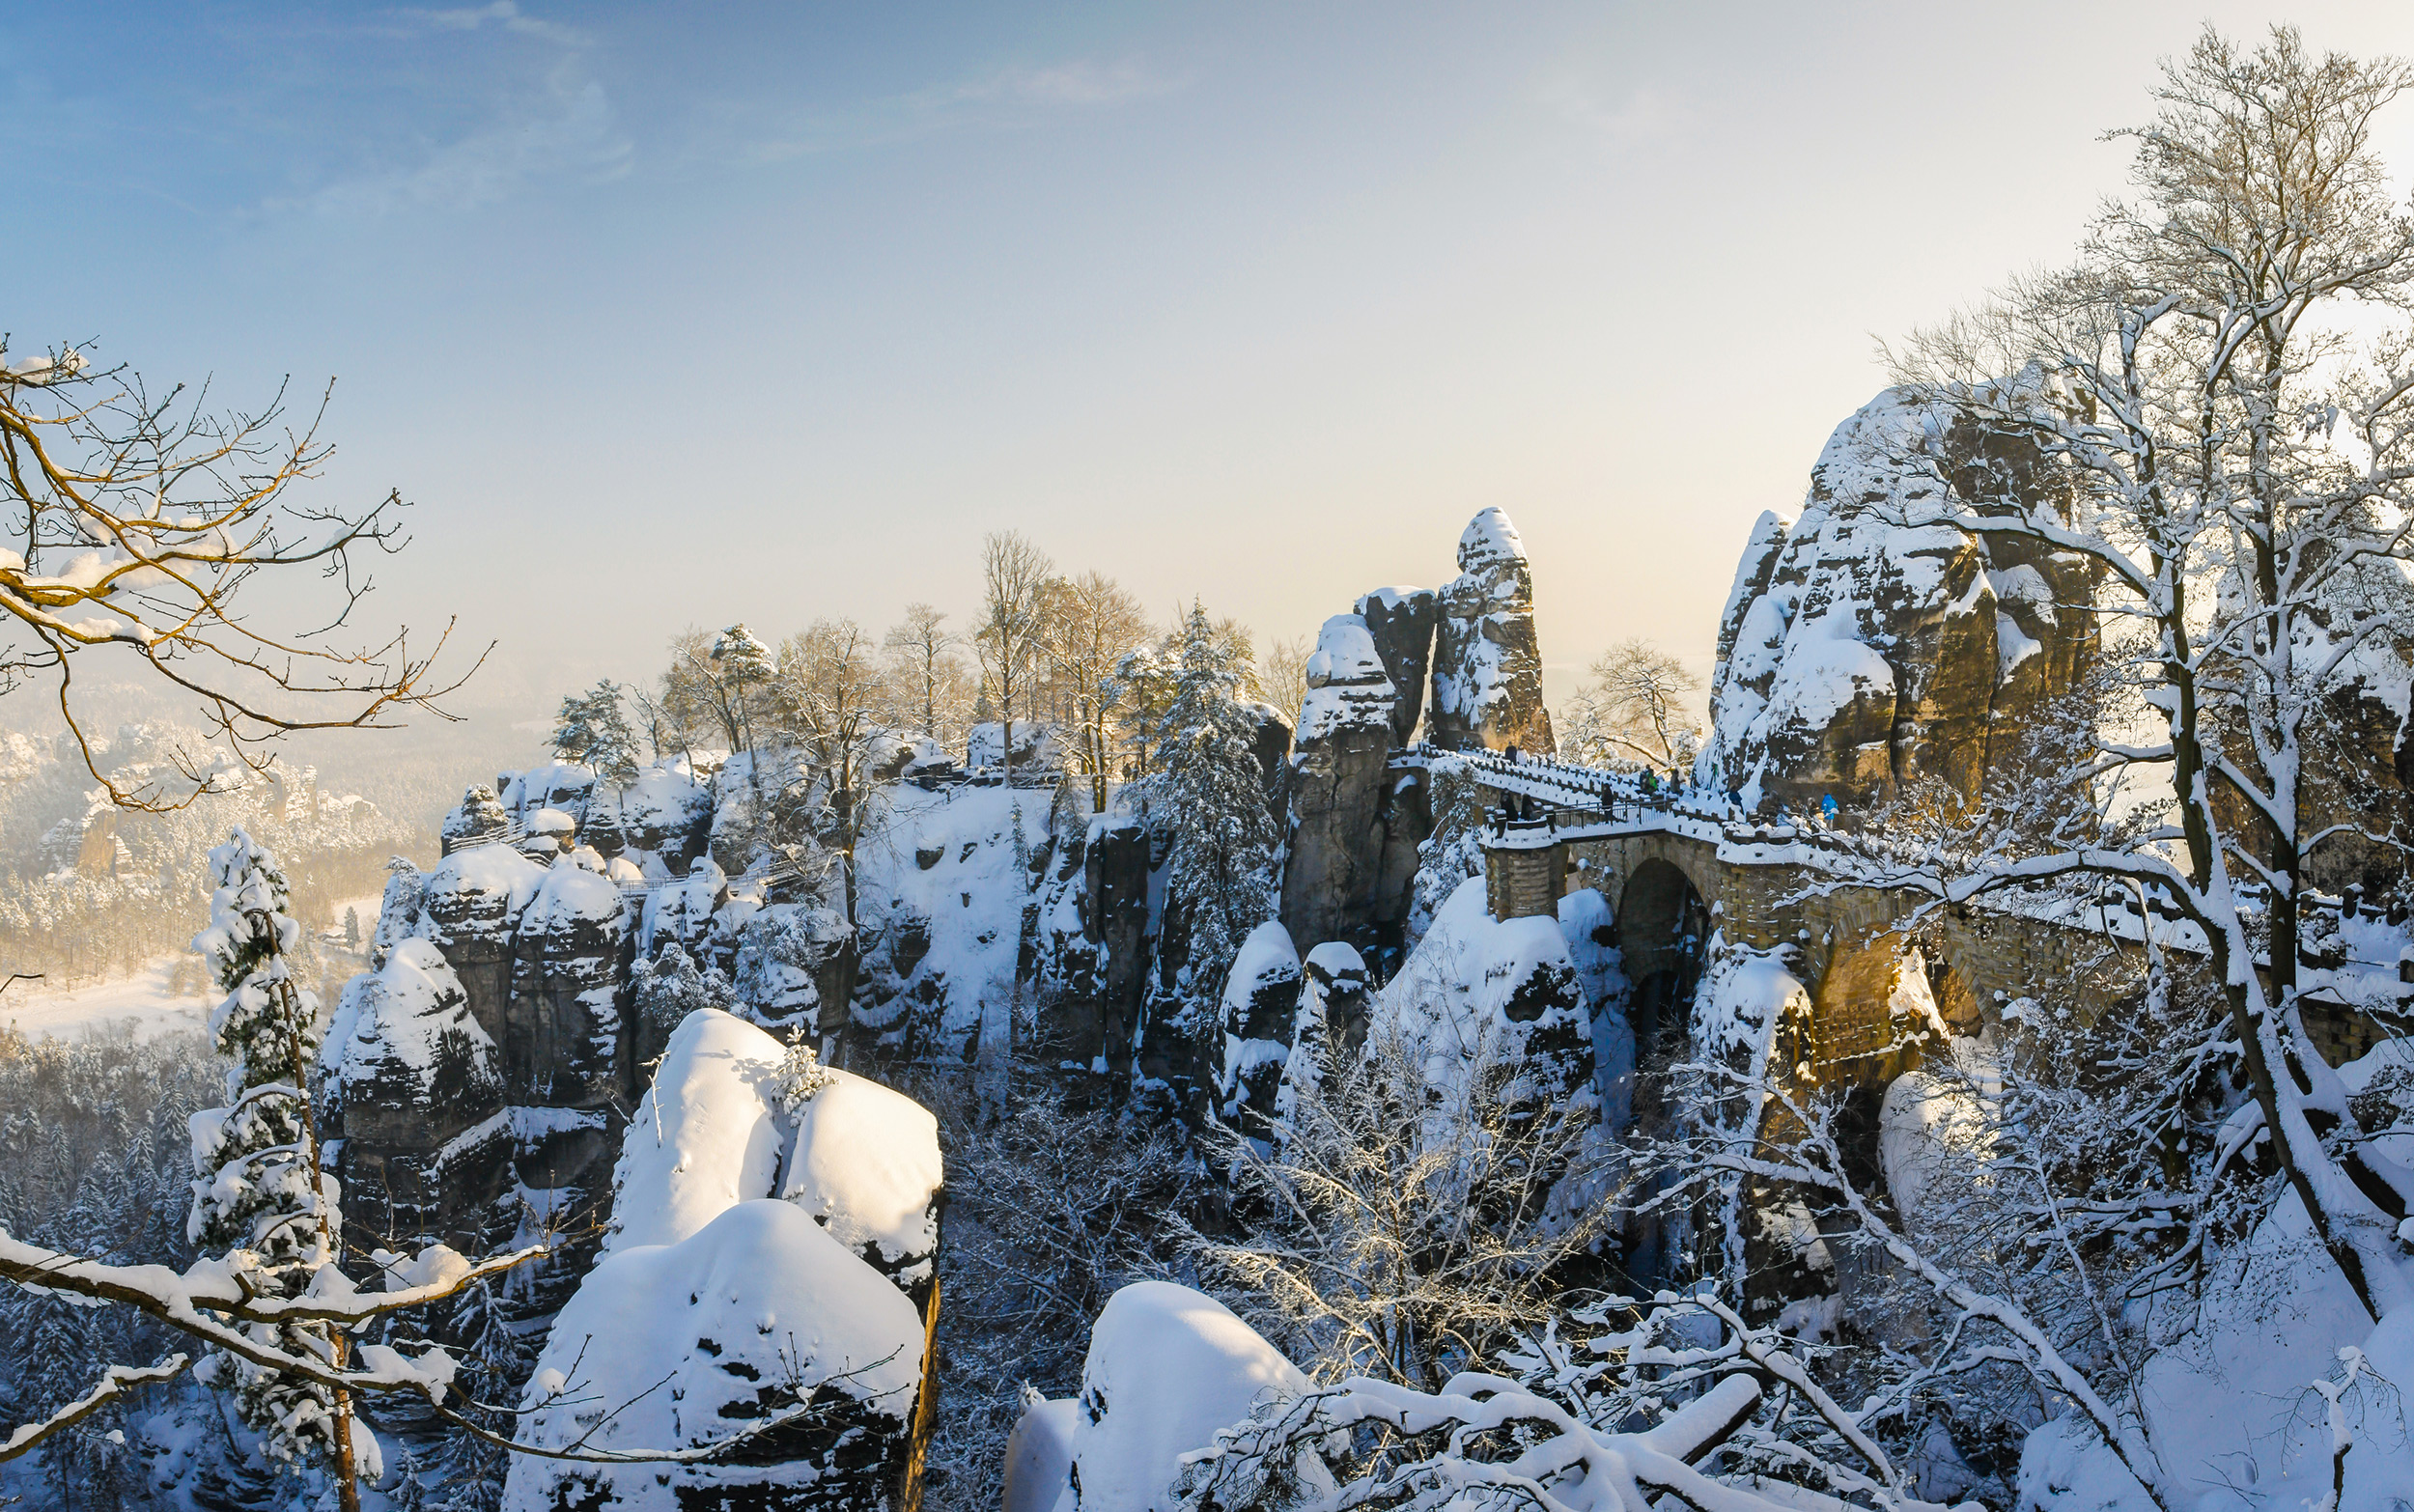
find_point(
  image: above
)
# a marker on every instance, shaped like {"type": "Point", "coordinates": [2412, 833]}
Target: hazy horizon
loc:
{"type": "Point", "coordinates": [668, 318]}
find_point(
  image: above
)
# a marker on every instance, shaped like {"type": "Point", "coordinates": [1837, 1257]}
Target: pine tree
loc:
{"type": "Point", "coordinates": [258, 1196]}
{"type": "Point", "coordinates": [594, 728]}
{"type": "Point", "coordinates": [1209, 802]}
{"type": "Point", "coordinates": [495, 1358]}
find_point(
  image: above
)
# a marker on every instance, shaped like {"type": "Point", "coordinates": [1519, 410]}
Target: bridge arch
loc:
{"type": "Point", "coordinates": [1876, 999]}
{"type": "Point", "coordinates": [1662, 924]}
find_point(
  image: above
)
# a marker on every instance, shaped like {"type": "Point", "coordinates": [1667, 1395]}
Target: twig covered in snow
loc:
{"type": "Point", "coordinates": [115, 1382]}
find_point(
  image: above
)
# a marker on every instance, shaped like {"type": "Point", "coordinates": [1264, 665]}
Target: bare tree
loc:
{"type": "Point", "coordinates": [136, 521]}
{"type": "Point", "coordinates": [1634, 709]}
{"type": "Point", "coordinates": [1410, 1234]}
{"type": "Point", "coordinates": [926, 678]}
{"type": "Point", "coordinates": [2185, 414]}
{"type": "Point", "coordinates": [1678, 1403]}
{"type": "Point", "coordinates": [1014, 579]}
{"type": "Point", "coordinates": [1282, 675]}
{"type": "Point", "coordinates": [1090, 625]}
{"type": "Point", "coordinates": [830, 690]}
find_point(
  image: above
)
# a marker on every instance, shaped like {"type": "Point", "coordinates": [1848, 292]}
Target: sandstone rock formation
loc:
{"type": "Point", "coordinates": [1091, 944]}
{"type": "Point", "coordinates": [1487, 664]}
{"type": "Point", "coordinates": [530, 947]}
{"type": "Point", "coordinates": [1337, 786]}
{"type": "Point", "coordinates": [774, 1240]}
{"type": "Point", "coordinates": [1872, 647]}
{"type": "Point", "coordinates": [1400, 621]}
{"type": "Point", "coordinates": [1355, 817]}
{"type": "Point", "coordinates": [417, 1086]}
{"type": "Point", "coordinates": [1260, 1002]}
{"type": "Point", "coordinates": [1328, 1027]}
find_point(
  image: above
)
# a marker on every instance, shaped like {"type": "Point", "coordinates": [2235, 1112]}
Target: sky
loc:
{"type": "Point", "coordinates": [678, 315]}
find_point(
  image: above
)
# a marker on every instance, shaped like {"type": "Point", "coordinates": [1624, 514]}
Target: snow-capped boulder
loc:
{"type": "Point", "coordinates": [1479, 993]}
{"type": "Point", "coordinates": [663, 820]}
{"type": "Point", "coordinates": [706, 1135]}
{"type": "Point", "coordinates": [565, 787]}
{"type": "Point", "coordinates": [1872, 644]}
{"type": "Point", "coordinates": [1260, 1001]}
{"type": "Point", "coordinates": [1327, 1026]}
{"type": "Point", "coordinates": [864, 1163]}
{"type": "Point", "coordinates": [1487, 664]}
{"type": "Point", "coordinates": [1167, 1367]}
{"type": "Point", "coordinates": [1347, 684]}
{"type": "Point", "coordinates": [732, 1116]}
{"type": "Point", "coordinates": [682, 1345]}
{"type": "Point", "coordinates": [1039, 1456]}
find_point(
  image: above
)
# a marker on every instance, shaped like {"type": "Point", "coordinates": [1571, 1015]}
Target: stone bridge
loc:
{"type": "Point", "coordinates": [1676, 864]}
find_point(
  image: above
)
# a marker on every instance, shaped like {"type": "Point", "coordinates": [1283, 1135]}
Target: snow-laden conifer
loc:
{"type": "Point", "coordinates": [259, 1198]}
{"type": "Point", "coordinates": [1209, 801]}
{"type": "Point", "coordinates": [593, 728]}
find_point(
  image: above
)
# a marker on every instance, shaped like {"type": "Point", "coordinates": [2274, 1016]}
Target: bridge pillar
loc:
{"type": "Point", "coordinates": [1525, 870]}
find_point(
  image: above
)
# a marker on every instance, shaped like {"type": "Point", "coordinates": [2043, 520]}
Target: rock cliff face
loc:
{"type": "Point", "coordinates": [1328, 1027]}
{"type": "Point", "coordinates": [1356, 820]}
{"type": "Point", "coordinates": [1400, 622]}
{"type": "Point", "coordinates": [1090, 949]}
{"type": "Point", "coordinates": [1487, 663]}
{"type": "Point", "coordinates": [1339, 788]}
{"type": "Point", "coordinates": [485, 1056]}
{"type": "Point", "coordinates": [1870, 648]}
{"type": "Point", "coordinates": [1260, 1006]}
{"type": "Point", "coordinates": [420, 1088]}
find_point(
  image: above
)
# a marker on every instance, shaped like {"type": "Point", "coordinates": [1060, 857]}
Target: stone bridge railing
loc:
{"type": "Point", "coordinates": [1837, 896]}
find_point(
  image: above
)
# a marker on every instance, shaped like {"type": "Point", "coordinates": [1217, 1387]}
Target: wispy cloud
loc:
{"type": "Point", "coordinates": [1082, 82]}
{"type": "Point", "coordinates": [1645, 114]}
{"type": "Point", "coordinates": [1006, 98]}
{"type": "Point", "coordinates": [505, 15]}
{"type": "Point", "coordinates": [568, 130]}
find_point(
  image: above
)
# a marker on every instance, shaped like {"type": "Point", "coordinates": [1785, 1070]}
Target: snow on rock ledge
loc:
{"type": "Point", "coordinates": [1479, 991]}
{"type": "Point", "coordinates": [714, 1131]}
{"type": "Point", "coordinates": [1874, 644]}
{"type": "Point", "coordinates": [1167, 1368]}
{"type": "Point", "coordinates": [737, 1324]}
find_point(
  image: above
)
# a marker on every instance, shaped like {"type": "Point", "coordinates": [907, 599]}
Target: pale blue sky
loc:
{"type": "Point", "coordinates": [666, 314]}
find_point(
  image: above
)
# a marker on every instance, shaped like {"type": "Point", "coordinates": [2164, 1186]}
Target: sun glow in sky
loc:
{"type": "Point", "coordinates": [684, 314]}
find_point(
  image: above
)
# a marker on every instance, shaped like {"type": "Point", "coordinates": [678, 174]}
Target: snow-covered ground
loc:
{"type": "Point", "coordinates": [143, 1003]}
